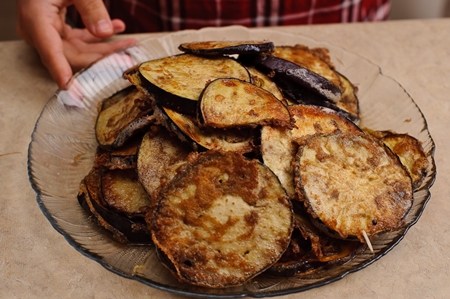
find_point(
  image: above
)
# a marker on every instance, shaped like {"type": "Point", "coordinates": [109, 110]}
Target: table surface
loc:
{"type": "Point", "coordinates": [37, 262]}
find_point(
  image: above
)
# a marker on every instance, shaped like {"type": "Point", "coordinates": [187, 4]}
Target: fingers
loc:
{"type": "Point", "coordinates": [81, 54]}
{"type": "Point", "coordinates": [40, 24]}
{"type": "Point", "coordinates": [53, 57]}
{"type": "Point", "coordinates": [118, 27]}
{"type": "Point", "coordinates": [95, 17]}
{"type": "Point", "coordinates": [61, 48]}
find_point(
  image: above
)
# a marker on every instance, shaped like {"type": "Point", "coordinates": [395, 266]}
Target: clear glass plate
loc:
{"type": "Point", "coordinates": [63, 144]}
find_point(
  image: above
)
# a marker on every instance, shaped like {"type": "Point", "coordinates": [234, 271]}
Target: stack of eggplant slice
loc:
{"type": "Point", "coordinates": [241, 158]}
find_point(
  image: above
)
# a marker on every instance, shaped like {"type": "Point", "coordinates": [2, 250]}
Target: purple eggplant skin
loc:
{"type": "Point", "coordinates": [304, 96]}
{"type": "Point", "coordinates": [212, 48]}
{"type": "Point", "coordinates": [124, 229]}
{"type": "Point", "coordinates": [281, 70]}
{"type": "Point", "coordinates": [176, 82]}
{"type": "Point", "coordinates": [133, 230]}
{"type": "Point", "coordinates": [171, 101]}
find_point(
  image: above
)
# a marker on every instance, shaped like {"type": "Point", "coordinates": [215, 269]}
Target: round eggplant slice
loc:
{"type": "Point", "coordinates": [124, 116]}
{"type": "Point", "coordinates": [411, 154]}
{"type": "Point", "coordinates": [231, 103]}
{"type": "Point", "coordinates": [353, 184]}
{"type": "Point", "coordinates": [227, 47]}
{"type": "Point", "coordinates": [279, 145]}
{"type": "Point", "coordinates": [188, 129]}
{"type": "Point", "coordinates": [123, 192]}
{"type": "Point", "coordinates": [287, 73]}
{"type": "Point", "coordinates": [222, 220]}
{"type": "Point", "coordinates": [123, 229]}
{"type": "Point", "coordinates": [176, 82]}
{"type": "Point", "coordinates": [159, 156]}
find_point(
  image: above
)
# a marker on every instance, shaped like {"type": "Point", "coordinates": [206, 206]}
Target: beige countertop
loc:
{"type": "Point", "coordinates": [37, 262]}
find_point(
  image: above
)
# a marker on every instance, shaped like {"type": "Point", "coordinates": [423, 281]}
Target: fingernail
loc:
{"type": "Point", "coordinates": [103, 26]}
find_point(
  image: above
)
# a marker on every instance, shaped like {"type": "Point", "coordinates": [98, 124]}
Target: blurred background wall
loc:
{"type": "Point", "coordinates": [401, 9]}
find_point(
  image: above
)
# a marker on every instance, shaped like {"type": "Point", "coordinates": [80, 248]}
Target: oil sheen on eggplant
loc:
{"type": "Point", "coordinates": [177, 81]}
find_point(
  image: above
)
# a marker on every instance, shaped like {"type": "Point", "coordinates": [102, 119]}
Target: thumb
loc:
{"type": "Point", "coordinates": [95, 17]}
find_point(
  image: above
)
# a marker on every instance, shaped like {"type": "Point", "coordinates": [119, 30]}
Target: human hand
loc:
{"type": "Point", "coordinates": [62, 49]}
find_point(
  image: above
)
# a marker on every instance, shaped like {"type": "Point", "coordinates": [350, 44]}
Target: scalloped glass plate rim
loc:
{"type": "Point", "coordinates": [168, 44]}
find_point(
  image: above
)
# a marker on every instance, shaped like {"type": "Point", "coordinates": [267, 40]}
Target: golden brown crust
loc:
{"type": "Point", "coordinates": [123, 192]}
{"type": "Point", "coordinates": [186, 75]}
{"type": "Point", "coordinates": [188, 129]}
{"type": "Point", "coordinates": [160, 154]}
{"type": "Point", "coordinates": [353, 183]}
{"type": "Point", "coordinates": [231, 103]}
{"type": "Point", "coordinates": [279, 145]}
{"type": "Point", "coordinates": [118, 120]}
{"type": "Point", "coordinates": [222, 220]}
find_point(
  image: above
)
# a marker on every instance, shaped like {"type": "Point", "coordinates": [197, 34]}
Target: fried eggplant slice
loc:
{"type": "Point", "coordinates": [227, 47]}
{"type": "Point", "coordinates": [176, 82]}
{"type": "Point", "coordinates": [279, 145]}
{"type": "Point", "coordinates": [159, 156]}
{"type": "Point", "coordinates": [124, 157]}
{"type": "Point", "coordinates": [188, 129]}
{"type": "Point", "coordinates": [410, 152]}
{"type": "Point", "coordinates": [231, 103]}
{"type": "Point", "coordinates": [352, 184]}
{"type": "Point", "coordinates": [318, 61]}
{"type": "Point", "coordinates": [124, 229]}
{"type": "Point", "coordinates": [306, 58]}
{"type": "Point", "coordinates": [124, 116]}
{"type": "Point", "coordinates": [349, 102]}
{"type": "Point", "coordinates": [222, 220]}
{"type": "Point", "coordinates": [298, 95]}
{"type": "Point", "coordinates": [310, 250]}
{"type": "Point", "coordinates": [263, 81]}
{"type": "Point", "coordinates": [123, 192]}
{"type": "Point", "coordinates": [287, 73]}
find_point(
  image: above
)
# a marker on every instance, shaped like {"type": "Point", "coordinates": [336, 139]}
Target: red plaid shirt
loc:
{"type": "Point", "coordinates": [171, 15]}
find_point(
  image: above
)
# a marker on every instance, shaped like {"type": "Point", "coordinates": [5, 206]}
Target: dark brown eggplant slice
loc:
{"type": "Point", "coordinates": [159, 156]}
{"type": "Point", "coordinates": [311, 250]}
{"type": "Point", "coordinates": [231, 103]}
{"type": "Point", "coordinates": [123, 229]}
{"type": "Point", "coordinates": [123, 117]}
{"type": "Point", "coordinates": [227, 47]}
{"type": "Point", "coordinates": [125, 157]}
{"type": "Point", "coordinates": [211, 216]}
{"type": "Point", "coordinates": [279, 145]}
{"type": "Point", "coordinates": [188, 129]}
{"type": "Point", "coordinates": [287, 73]}
{"type": "Point", "coordinates": [176, 82]}
{"type": "Point", "coordinates": [353, 184]}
